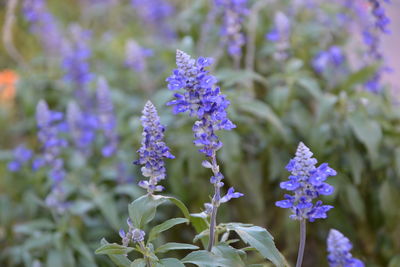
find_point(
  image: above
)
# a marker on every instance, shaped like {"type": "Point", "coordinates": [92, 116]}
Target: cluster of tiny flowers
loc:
{"type": "Point", "coordinates": [153, 150]}
{"type": "Point", "coordinates": [307, 182]}
{"type": "Point", "coordinates": [21, 155]}
{"type": "Point", "coordinates": [75, 63]}
{"type": "Point", "coordinates": [234, 12]}
{"type": "Point", "coordinates": [135, 56]}
{"type": "Point", "coordinates": [371, 37]}
{"type": "Point", "coordinates": [333, 57]}
{"type": "Point", "coordinates": [206, 102]}
{"type": "Point", "coordinates": [48, 123]}
{"type": "Point", "coordinates": [201, 99]}
{"type": "Point", "coordinates": [133, 234]}
{"type": "Point", "coordinates": [339, 248]}
{"type": "Point", "coordinates": [106, 118]}
{"type": "Point", "coordinates": [155, 13]}
{"type": "Point", "coordinates": [280, 35]}
{"type": "Point", "coordinates": [44, 25]}
{"type": "Point", "coordinates": [82, 128]}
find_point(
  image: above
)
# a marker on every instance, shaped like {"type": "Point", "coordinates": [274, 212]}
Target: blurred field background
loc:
{"type": "Point", "coordinates": [275, 103]}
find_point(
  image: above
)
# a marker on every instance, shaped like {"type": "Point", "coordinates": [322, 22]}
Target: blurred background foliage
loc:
{"type": "Point", "coordinates": [275, 103]}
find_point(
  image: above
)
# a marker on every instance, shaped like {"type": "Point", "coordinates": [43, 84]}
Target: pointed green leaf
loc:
{"type": "Point", "coordinates": [174, 246]}
{"type": "Point", "coordinates": [170, 262]}
{"type": "Point", "coordinates": [113, 249]}
{"type": "Point", "coordinates": [164, 227]}
{"type": "Point", "coordinates": [179, 204]}
{"type": "Point", "coordinates": [230, 254]}
{"type": "Point", "coordinates": [119, 260]}
{"type": "Point", "coordinates": [138, 263]}
{"type": "Point", "coordinates": [143, 209]}
{"type": "Point", "coordinates": [204, 258]}
{"type": "Point", "coordinates": [260, 239]}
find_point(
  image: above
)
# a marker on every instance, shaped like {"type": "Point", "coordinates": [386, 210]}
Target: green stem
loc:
{"type": "Point", "coordinates": [302, 243]}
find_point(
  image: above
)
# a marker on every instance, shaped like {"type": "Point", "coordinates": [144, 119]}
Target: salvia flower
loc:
{"type": "Point", "coordinates": [44, 25]}
{"type": "Point", "coordinates": [21, 156]}
{"type": "Point", "coordinates": [155, 14]}
{"type": "Point", "coordinates": [234, 12]}
{"type": "Point", "coordinates": [136, 56]}
{"type": "Point", "coordinates": [106, 118]}
{"type": "Point", "coordinates": [133, 234]}
{"type": "Point", "coordinates": [82, 127]}
{"type": "Point", "coordinates": [202, 99]}
{"type": "Point", "coordinates": [280, 35]}
{"type": "Point", "coordinates": [339, 248]}
{"type": "Point", "coordinates": [307, 184]}
{"type": "Point", "coordinates": [76, 63]}
{"type": "Point", "coordinates": [333, 57]}
{"type": "Point", "coordinates": [52, 145]}
{"type": "Point", "coordinates": [153, 150]}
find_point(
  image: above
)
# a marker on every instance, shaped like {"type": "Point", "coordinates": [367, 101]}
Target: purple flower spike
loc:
{"type": "Point", "coordinates": [21, 156]}
{"type": "Point", "coordinates": [48, 125]}
{"type": "Point", "coordinates": [106, 117]}
{"type": "Point", "coordinates": [234, 12]}
{"type": "Point", "coordinates": [153, 149]}
{"type": "Point", "coordinates": [136, 56]}
{"type": "Point", "coordinates": [339, 248]}
{"type": "Point", "coordinates": [307, 183]}
{"type": "Point", "coordinates": [202, 99]}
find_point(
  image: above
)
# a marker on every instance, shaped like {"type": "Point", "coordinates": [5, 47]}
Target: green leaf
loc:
{"type": "Point", "coordinates": [105, 202]}
{"type": "Point", "coordinates": [395, 261]}
{"type": "Point", "coordinates": [80, 246]}
{"type": "Point", "coordinates": [230, 254]}
{"type": "Point", "coordinates": [311, 86]}
{"type": "Point", "coordinates": [204, 258]}
{"type": "Point", "coordinates": [200, 224]}
{"type": "Point", "coordinates": [143, 209]}
{"type": "Point", "coordinates": [359, 77]}
{"type": "Point", "coordinates": [367, 132]}
{"type": "Point", "coordinates": [174, 246]}
{"type": "Point", "coordinates": [263, 111]}
{"type": "Point", "coordinates": [179, 204]}
{"type": "Point", "coordinates": [119, 260]}
{"type": "Point", "coordinates": [113, 249]}
{"type": "Point", "coordinates": [355, 201]}
{"type": "Point", "coordinates": [138, 263]}
{"type": "Point", "coordinates": [260, 239]}
{"type": "Point", "coordinates": [164, 227]}
{"type": "Point", "coordinates": [170, 262]}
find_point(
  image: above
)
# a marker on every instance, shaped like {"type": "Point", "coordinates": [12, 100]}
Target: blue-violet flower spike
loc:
{"type": "Point", "coordinates": [153, 149]}
{"type": "Point", "coordinates": [307, 183]}
{"type": "Point", "coordinates": [339, 248]}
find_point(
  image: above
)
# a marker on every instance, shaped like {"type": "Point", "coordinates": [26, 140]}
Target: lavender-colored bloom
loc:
{"type": "Point", "coordinates": [201, 98]}
{"type": "Point", "coordinates": [281, 29]}
{"type": "Point", "coordinates": [82, 127]}
{"type": "Point", "coordinates": [155, 14]}
{"type": "Point", "coordinates": [133, 234]}
{"type": "Point", "coordinates": [106, 118]}
{"type": "Point", "coordinates": [205, 101]}
{"type": "Point", "coordinates": [21, 156]}
{"type": "Point", "coordinates": [76, 65]}
{"type": "Point", "coordinates": [153, 150]}
{"type": "Point", "coordinates": [280, 35]}
{"type": "Point", "coordinates": [339, 248]}
{"type": "Point", "coordinates": [44, 25]}
{"type": "Point", "coordinates": [52, 145]}
{"type": "Point", "coordinates": [234, 12]}
{"type": "Point", "coordinates": [136, 56]}
{"type": "Point", "coordinates": [333, 57]}
{"type": "Point", "coordinates": [307, 182]}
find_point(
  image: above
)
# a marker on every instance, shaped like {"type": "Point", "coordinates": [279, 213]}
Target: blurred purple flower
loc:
{"type": "Point", "coordinates": [333, 57]}
{"type": "Point", "coordinates": [136, 56]}
{"type": "Point", "coordinates": [44, 25]}
{"type": "Point", "coordinates": [21, 156]}
{"type": "Point", "coordinates": [234, 12]}
{"type": "Point", "coordinates": [339, 248]}
{"type": "Point", "coordinates": [106, 118]}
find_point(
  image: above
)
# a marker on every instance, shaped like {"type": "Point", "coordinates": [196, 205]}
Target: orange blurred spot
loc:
{"type": "Point", "coordinates": [8, 80]}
